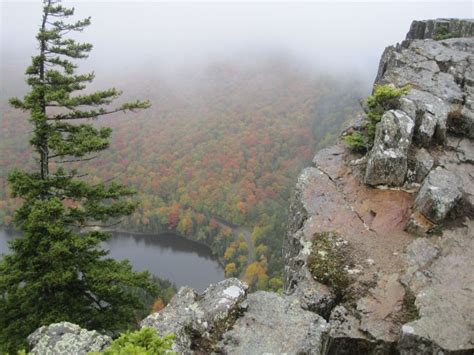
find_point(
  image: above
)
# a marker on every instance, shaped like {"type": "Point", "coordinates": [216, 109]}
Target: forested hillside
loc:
{"type": "Point", "coordinates": [216, 157]}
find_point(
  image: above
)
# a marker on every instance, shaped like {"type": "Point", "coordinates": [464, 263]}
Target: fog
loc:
{"type": "Point", "coordinates": [148, 38]}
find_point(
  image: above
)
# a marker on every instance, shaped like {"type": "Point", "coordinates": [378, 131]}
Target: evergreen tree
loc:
{"type": "Point", "coordinates": [57, 271]}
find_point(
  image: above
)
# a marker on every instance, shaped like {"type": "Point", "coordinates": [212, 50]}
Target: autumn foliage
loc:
{"type": "Point", "coordinates": [216, 151]}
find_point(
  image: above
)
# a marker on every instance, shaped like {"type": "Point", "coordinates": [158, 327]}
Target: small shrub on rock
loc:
{"type": "Point", "coordinates": [443, 33]}
{"type": "Point", "coordinates": [144, 342]}
{"type": "Point", "coordinates": [384, 98]}
{"type": "Point", "coordinates": [356, 141]}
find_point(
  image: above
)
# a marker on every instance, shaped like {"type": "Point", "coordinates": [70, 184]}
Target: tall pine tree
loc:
{"type": "Point", "coordinates": [57, 270]}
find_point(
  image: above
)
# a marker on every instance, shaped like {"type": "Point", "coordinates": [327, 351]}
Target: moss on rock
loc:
{"type": "Point", "coordinates": [327, 260]}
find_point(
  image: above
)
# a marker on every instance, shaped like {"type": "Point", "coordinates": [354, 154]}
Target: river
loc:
{"type": "Point", "coordinates": [168, 256]}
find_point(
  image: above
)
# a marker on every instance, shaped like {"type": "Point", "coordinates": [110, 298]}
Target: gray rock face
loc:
{"type": "Point", "coordinates": [66, 338]}
{"type": "Point", "coordinates": [174, 318]}
{"type": "Point", "coordinates": [430, 66]}
{"type": "Point", "coordinates": [224, 319]}
{"type": "Point", "coordinates": [440, 102]}
{"type": "Point", "coordinates": [275, 324]}
{"type": "Point", "coordinates": [441, 278]}
{"type": "Point", "coordinates": [314, 296]}
{"type": "Point", "coordinates": [399, 303]}
{"type": "Point", "coordinates": [440, 74]}
{"type": "Point", "coordinates": [421, 164]}
{"type": "Point", "coordinates": [438, 195]}
{"type": "Point", "coordinates": [419, 255]}
{"type": "Point", "coordinates": [430, 114]}
{"type": "Point", "coordinates": [372, 326]}
{"type": "Point", "coordinates": [199, 320]}
{"type": "Point", "coordinates": [387, 161]}
{"type": "Point", "coordinates": [429, 28]}
{"type": "Point", "coordinates": [346, 336]}
{"type": "Point", "coordinates": [296, 248]}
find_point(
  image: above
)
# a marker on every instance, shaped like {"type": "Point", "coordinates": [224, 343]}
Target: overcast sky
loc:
{"type": "Point", "coordinates": [134, 36]}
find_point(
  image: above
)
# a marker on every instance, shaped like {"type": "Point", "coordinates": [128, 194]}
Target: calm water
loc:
{"type": "Point", "coordinates": [166, 255]}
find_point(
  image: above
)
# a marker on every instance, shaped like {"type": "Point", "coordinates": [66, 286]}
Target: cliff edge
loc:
{"type": "Point", "coordinates": [398, 220]}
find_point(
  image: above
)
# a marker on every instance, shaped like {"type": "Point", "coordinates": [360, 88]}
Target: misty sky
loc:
{"type": "Point", "coordinates": [134, 36]}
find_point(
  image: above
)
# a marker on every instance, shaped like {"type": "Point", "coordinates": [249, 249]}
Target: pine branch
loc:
{"type": "Point", "coordinates": [78, 115]}
{"type": "Point", "coordinates": [73, 160]}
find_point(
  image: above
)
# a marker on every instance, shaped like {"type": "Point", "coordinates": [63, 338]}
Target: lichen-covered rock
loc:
{"type": "Point", "coordinates": [418, 256]}
{"type": "Point", "coordinates": [387, 161]}
{"type": "Point", "coordinates": [421, 164]}
{"type": "Point", "coordinates": [441, 278]}
{"type": "Point", "coordinates": [441, 77]}
{"type": "Point", "coordinates": [199, 320]}
{"type": "Point", "coordinates": [430, 114]}
{"type": "Point", "coordinates": [175, 318]}
{"type": "Point", "coordinates": [438, 195]}
{"type": "Point", "coordinates": [313, 295]}
{"type": "Point", "coordinates": [275, 324]}
{"type": "Point", "coordinates": [66, 338]}
{"type": "Point", "coordinates": [218, 308]}
{"type": "Point", "coordinates": [459, 161]}
{"type": "Point", "coordinates": [404, 66]}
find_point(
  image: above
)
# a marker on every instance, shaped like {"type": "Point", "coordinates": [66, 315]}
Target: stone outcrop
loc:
{"type": "Point", "coordinates": [226, 320]}
{"type": "Point", "coordinates": [428, 29]}
{"type": "Point", "coordinates": [331, 197]}
{"type": "Point", "coordinates": [438, 195]}
{"type": "Point", "coordinates": [440, 103]}
{"type": "Point", "coordinates": [275, 324]}
{"type": "Point", "coordinates": [387, 162]}
{"type": "Point", "coordinates": [198, 321]}
{"type": "Point", "coordinates": [406, 295]}
{"type": "Point", "coordinates": [66, 338]}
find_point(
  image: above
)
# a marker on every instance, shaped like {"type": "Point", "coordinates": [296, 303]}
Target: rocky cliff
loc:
{"type": "Point", "coordinates": [399, 219]}
{"type": "Point", "coordinates": [379, 252]}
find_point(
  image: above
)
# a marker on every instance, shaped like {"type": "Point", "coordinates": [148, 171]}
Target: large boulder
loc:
{"type": "Point", "coordinates": [66, 338]}
{"type": "Point", "coordinates": [439, 194]}
{"type": "Point", "coordinates": [275, 324]}
{"type": "Point", "coordinates": [430, 114]}
{"type": "Point", "coordinates": [441, 79]}
{"type": "Point", "coordinates": [436, 67]}
{"type": "Point", "coordinates": [198, 321]}
{"type": "Point", "coordinates": [387, 161]}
